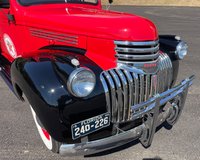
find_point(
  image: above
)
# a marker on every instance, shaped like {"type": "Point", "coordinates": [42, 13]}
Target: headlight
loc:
{"type": "Point", "coordinates": [181, 50]}
{"type": "Point", "coordinates": [81, 82]}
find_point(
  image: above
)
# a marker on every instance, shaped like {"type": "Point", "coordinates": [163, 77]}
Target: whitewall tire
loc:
{"type": "Point", "coordinates": [49, 142]}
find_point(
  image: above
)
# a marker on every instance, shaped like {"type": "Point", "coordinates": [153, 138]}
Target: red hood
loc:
{"type": "Point", "coordinates": [91, 22]}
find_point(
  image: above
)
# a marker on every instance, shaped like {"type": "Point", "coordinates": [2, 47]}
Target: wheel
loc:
{"type": "Point", "coordinates": [49, 142]}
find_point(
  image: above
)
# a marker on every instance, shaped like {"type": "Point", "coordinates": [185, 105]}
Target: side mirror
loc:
{"type": "Point", "coordinates": [110, 1]}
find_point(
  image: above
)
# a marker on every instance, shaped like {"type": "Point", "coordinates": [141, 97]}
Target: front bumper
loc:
{"type": "Point", "coordinates": [153, 117]}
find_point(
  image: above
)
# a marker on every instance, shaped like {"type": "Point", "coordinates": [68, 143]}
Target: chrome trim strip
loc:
{"type": "Point", "coordinates": [106, 93]}
{"type": "Point", "coordinates": [113, 96]}
{"type": "Point", "coordinates": [137, 50]}
{"type": "Point", "coordinates": [123, 109]}
{"type": "Point", "coordinates": [65, 38]}
{"type": "Point", "coordinates": [147, 92]}
{"type": "Point", "coordinates": [165, 72]}
{"type": "Point", "coordinates": [56, 39]}
{"type": "Point", "coordinates": [128, 43]}
{"type": "Point", "coordinates": [119, 93]}
{"type": "Point", "coordinates": [130, 86]}
{"type": "Point", "coordinates": [135, 63]}
{"type": "Point", "coordinates": [141, 88]}
{"type": "Point", "coordinates": [136, 84]}
{"type": "Point", "coordinates": [52, 33]}
{"type": "Point", "coordinates": [137, 57]}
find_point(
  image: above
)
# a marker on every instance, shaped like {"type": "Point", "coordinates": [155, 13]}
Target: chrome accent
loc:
{"type": "Point", "coordinates": [124, 108]}
{"type": "Point", "coordinates": [181, 50]}
{"type": "Point", "coordinates": [75, 62]}
{"type": "Point", "coordinates": [147, 92]}
{"type": "Point", "coordinates": [50, 35]}
{"type": "Point", "coordinates": [130, 91]}
{"type": "Point", "coordinates": [142, 55]}
{"type": "Point", "coordinates": [164, 97]}
{"type": "Point", "coordinates": [137, 50]}
{"type": "Point", "coordinates": [87, 148]}
{"type": "Point", "coordinates": [126, 86]}
{"type": "Point", "coordinates": [137, 57]}
{"type": "Point", "coordinates": [119, 92]}
{"type": "Point", "coordinates": [128, 43]}
{"type": "Point", "coordinates": [106, 93]}
{"type": "Point", "coordinates": [74, 74]}
{"type": "Point", "coordinates": [112, 95]}
{"type": "Point", "coordinates": [144, 132]}
{"type": "Point", "coordinates": [136, 84]}
{"type": "Point", "coordinates": [165, 73]}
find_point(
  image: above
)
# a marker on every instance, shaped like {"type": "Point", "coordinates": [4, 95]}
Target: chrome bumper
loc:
{"type": "Point", "coordinates": [153, 117]}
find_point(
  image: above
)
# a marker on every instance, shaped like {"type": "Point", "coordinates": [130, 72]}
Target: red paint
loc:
{"type": "Point", "coordinates": [94, 28]}
{"type": "Point", "coordinates": [46, 134]}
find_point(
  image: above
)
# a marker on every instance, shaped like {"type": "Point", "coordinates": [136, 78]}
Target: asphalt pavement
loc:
{"type": "Point", "coordinates": [19, 138]}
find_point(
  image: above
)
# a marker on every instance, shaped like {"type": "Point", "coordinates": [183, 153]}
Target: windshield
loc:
{"type": "Point", "coordinates": [32, 2]}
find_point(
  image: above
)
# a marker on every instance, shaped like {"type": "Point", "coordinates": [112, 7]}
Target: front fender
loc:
{"type": "Point", "coordinates": [43, 80]}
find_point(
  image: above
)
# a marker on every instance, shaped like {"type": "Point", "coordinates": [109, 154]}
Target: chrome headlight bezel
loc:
{"type": "Point", "coordinates": [74, 75]}
{"type": "Point", "coordinates": [181, 50]}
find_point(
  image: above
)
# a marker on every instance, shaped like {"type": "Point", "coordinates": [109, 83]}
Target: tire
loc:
{"type": "Point", "coordinates": [48, 141]}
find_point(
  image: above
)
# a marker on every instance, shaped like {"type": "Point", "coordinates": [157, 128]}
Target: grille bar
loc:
{"type": "Point", "coordinates": [136, 85]}
{"type": "Point", "coordinates": [165, 72]}
{"type": "Point", "coordinates": [128, 43]}
{"type": "Point", "coordinates": [137, 57]}
{"type": "Point", "coordinates": [124, 88]}
{"type": "Point", "coordinates": [137, 50]}
{"type": "Point", "coordinates": [134, 51]}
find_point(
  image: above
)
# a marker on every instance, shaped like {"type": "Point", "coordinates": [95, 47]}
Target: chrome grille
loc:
{"type": "Point", "coordinates": [125, 87]}
{"type": "Point", "coordinates": [129, 52]}
{"type": "Point", "coordinates": [165, 73]}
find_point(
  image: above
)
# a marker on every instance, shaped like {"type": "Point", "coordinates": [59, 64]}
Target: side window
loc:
{"type": "Point", "coordinates": [4, 3]}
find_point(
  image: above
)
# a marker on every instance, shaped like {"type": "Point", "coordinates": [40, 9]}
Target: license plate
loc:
{"type": "Point", "coordinates": [90, 125]}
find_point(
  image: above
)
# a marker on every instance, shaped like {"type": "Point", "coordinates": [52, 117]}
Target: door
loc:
{"type": "Point", "coordinates": [7, 31]}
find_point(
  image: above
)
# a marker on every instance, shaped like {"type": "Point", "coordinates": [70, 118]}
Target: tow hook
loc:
{"type": "Point", "coordinates": [174, 113]}
{"type": "Point", "coordinates": [177, 107]}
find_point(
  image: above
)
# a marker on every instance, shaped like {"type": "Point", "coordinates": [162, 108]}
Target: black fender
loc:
{"type": "Point", "coordinates": [43, 80]}
{"type": "Point", "coordinates": [168, 44]}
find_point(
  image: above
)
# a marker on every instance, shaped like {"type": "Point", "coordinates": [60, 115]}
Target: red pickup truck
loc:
{"type": "Point", "coordinates": [95, 79]}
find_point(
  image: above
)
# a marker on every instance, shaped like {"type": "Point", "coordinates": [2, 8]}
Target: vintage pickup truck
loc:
{"type": "Point", "coordinates": [95, 79]}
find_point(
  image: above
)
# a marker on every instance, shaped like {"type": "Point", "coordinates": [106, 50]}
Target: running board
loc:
{"type": "Point", "coordinates": [5, 72]}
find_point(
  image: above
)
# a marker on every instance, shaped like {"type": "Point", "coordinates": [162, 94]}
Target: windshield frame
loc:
{"type": "Point", "coordinates": [56, 2]}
